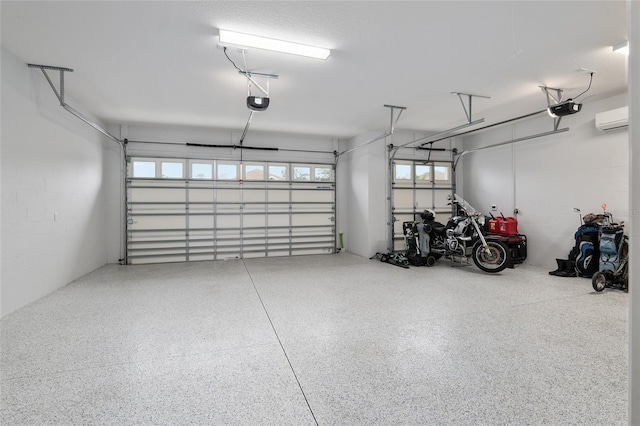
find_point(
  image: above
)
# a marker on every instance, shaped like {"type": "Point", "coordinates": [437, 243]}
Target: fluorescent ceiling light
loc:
{"type": "Point", "coordinates": [246, 40]}
{"type": "Point", "coordinates": [622, 47]}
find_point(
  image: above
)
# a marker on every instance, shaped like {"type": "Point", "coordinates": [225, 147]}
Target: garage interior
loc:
{"type": "Point", "coordinates": [175, 253]}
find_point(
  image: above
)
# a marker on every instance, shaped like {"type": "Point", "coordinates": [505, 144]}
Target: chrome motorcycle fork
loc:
{"type": "Point", "coordinates": [480, 234]}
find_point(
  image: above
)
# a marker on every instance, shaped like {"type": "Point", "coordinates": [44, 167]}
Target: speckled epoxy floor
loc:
{"type": "Point", "coordinates": [328, 340]}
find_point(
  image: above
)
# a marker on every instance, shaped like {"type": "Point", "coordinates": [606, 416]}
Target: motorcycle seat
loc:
{"type": "Point", "coordinates": [436, 228]}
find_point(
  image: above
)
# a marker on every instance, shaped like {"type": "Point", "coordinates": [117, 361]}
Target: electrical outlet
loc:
{"type": "Point", "coordinates": [494, 208]}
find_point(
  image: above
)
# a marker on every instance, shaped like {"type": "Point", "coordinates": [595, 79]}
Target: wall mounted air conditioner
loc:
{"type": "Point", "coordinates": [614, 119]}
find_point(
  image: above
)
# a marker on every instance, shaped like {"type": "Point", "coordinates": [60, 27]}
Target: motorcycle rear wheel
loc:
{"type": "Point", "coordinates": [495, 259]}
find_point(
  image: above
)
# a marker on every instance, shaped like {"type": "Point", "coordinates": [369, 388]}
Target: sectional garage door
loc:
{"type": "Point", "coordinates": [416, 186]}
{"type": "Point", "coordinates": [189, 209]}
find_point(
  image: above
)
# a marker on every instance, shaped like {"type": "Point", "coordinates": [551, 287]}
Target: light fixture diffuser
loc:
{"type": "Point", "coordinates": [622, 47]}
{"type": "Point", "coordinates": [247, 40]}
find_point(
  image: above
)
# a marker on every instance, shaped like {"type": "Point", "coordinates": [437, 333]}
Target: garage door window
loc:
{"type": "Point", "coordinates": [423, 174]}
{"type": "Point", "coordinates": [402, 172]}
{"type": "Point", "coordinates": [201, 171]}
{"type": "Point", "coordinates": [227, 171]}
{"type": "Point", "coordinates": [172, 170]}
{"type": "Point", "coordinates": [442, 172]}
{"type": "Point", "coordinates": [302, 173]}
{"type": "Point", "coordinates": [278, 172]}
{"type": "Point", "coordinates": [144, 169]}
{"type": "Point", "coordinates": [254, 171]}
{"type": "Point", "coordinates": [322, 174]}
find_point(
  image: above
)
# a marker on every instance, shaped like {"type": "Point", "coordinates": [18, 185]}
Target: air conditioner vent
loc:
{"type": "Point", "coordinates": [612, 120]}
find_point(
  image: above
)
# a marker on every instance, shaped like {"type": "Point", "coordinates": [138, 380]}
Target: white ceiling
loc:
{"type": "Point", "coordinates": [143, 62]}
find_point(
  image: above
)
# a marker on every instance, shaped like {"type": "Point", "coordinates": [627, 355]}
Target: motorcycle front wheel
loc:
{"type": "Point", "coordinates": [494, 258]}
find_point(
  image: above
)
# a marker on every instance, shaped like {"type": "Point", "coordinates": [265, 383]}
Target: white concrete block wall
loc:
{"type": "Point", "coordinates": [545, 178]}
{"type": "Point", "coordinates": [354, 192]}
{"type": "Point", "coordinates": [53, 206]}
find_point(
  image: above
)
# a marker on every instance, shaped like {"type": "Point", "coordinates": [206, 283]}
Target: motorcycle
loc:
{"type": "Point", "coordinates": [463, 237]}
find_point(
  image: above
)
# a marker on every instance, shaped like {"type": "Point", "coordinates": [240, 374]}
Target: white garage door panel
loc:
{"type": "Point", "coordinates": [315, 195]}
{"type": "Point", "coordinates": [278, 207]}
{"type": "Point", "coordinates": [199, 195]}
{"type": "Point", "coordinates": [163, 244]}
{"type": "Point", "coordinates": [403, 199]}
{"type": "Point", "coordinates": [254, 195]}
{"type": "Point", "coordinates": [227, 221]}
{"type": "Point", "coordinates": [252, 221]}
{"type": "Point", "coordinates": [278, 195]}
{"type": "Point", "coordinates": [424, 199]}
{"type": "Point", "coordinates": [172, 220]}
{"type": "Point", "coordinates": [142, 259]}
{"type": "Point", "coordinates": [197, 236]}
{"type": "Point", "coordinates": [159, 208]}
{"type": "Point", "coordinates": [315, 207]}
{"type": "Point", "coordinates": [278, 220]}
{"type": "Point", "coordinates": [155, 195]}
{"type": "Point", "coordinates": [201, 208]}
{"type": "Point", "coordinates": [311, 219]}
{"type": "Point", "coordinates": [200, 221]}
{"type": "Point", "coordinates": [441, 197]}
{"type": "Point", "coordinates": [228, 195]}
{"type": "Point", "coordinates": [200, 257]}
{"type": "Point", "coordinates": [157, 235]}
{"type": "Point", "coordinates": [158, 222]}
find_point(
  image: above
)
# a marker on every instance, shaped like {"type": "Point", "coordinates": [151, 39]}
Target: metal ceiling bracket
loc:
{"type": "Point", "coordinates": [60, 96]}
{"type": "Point", "coordinates": [550, 97]}
{"type": "Point", "coordinates": [556, 100]}
{"type": "Point", "coordinates": [392, 123]}
{"type": "Point", "coordinates": [468, 112]}
{"type": "Point", "coordinates": [250, 79]}
{"type": "Point", "coordinates": [250, 76]}
{"type": "Point", "coordinates": [447, 132]}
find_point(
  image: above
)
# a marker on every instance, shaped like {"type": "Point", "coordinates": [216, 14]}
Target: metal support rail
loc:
{"type": "Point", "coordinates": [524, 138]}
{"type": "Point", "coordinates": [60, 96]}
{"type": "Point", "coordinates": [392, 125]}
{"type": "Point", "coordinates": [82, 117]}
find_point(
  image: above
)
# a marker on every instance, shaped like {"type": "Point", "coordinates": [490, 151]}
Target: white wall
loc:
{"type": "Point", "coordinates": [633, 28]}
{"type": "Point", "coordinates": [545, 178]}
{"type": "Point", "coordinates": [355, 220]}
{"type": "Point", "coordinates": [53, 206]}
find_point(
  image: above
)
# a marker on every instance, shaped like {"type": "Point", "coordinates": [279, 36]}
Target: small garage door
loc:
{"type": "Point", "coordinates": [419, 185]}
{"type": "Point", "coordinates": [190, 210]}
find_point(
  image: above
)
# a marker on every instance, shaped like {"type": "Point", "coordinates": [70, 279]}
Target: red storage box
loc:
{"type": "Point", "coordinates": [503, 225]}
